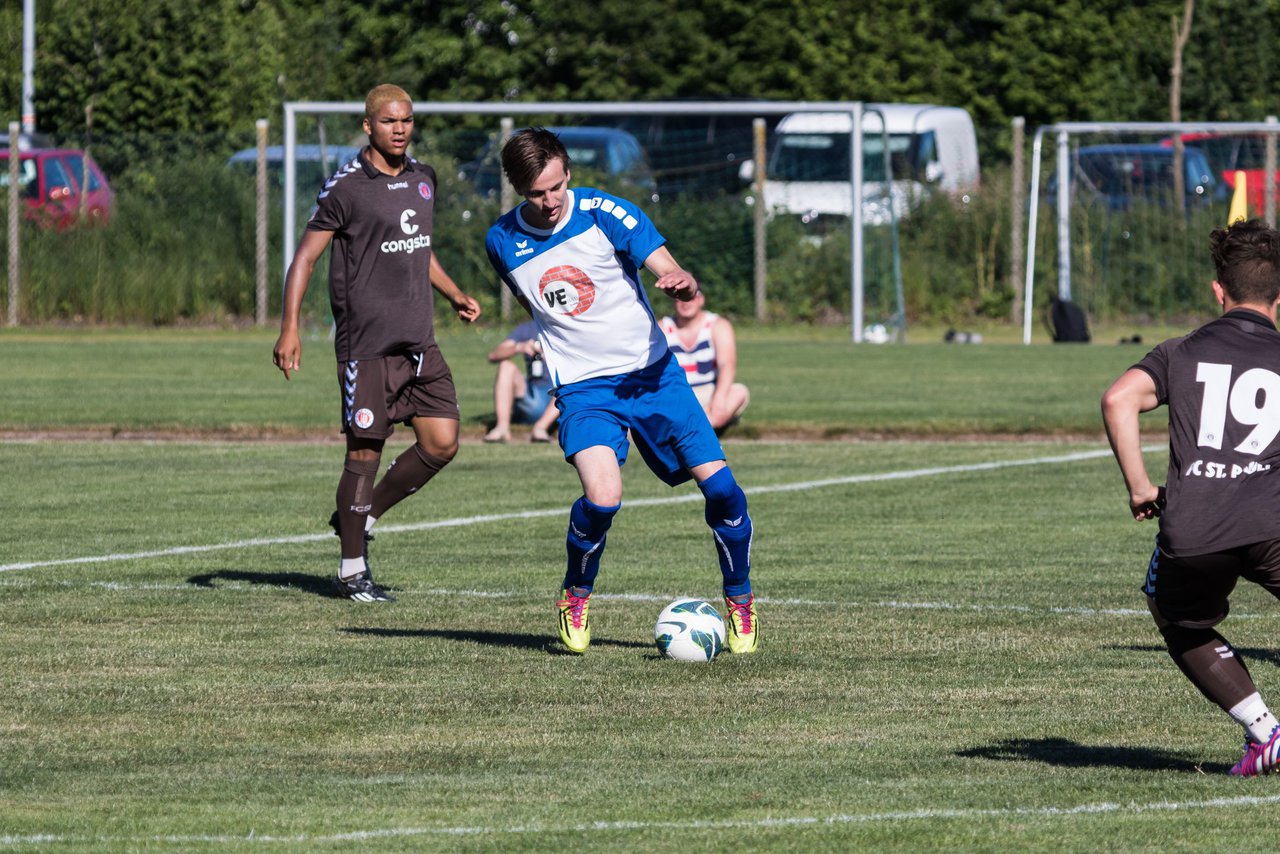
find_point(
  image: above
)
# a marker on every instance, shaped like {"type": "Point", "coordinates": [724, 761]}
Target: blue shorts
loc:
{"type": "Point", "coordinates": [529, 408]}
{"type": "Point", "coordinates": [655, 404]}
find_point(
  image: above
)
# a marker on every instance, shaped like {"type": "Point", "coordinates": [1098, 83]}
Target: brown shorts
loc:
{"type": "Point", "coordinates": [1193, 591]}
{"type": "Point", "coordinates": [379, 393]}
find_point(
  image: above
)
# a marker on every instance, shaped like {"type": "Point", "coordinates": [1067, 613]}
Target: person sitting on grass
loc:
{"type": "Point", "coordinates": [705, 346]}
{"type": "Point", "coordinates": [521, 397]}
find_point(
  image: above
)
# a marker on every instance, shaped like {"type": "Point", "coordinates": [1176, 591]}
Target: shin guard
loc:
{"type": "Point", "coordinates": [726, 514]}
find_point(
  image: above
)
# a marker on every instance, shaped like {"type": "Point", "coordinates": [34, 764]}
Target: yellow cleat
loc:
{"type": "Point", "coordinates": [575, 631]}
{"type": "Point", "coordinates": [742, 626]}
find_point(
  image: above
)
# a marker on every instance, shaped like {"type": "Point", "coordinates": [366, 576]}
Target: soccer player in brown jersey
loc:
{"type": "Point", "coordinates": [1219, 511]}
{"type": "Point", "coordinates": [376, 212]}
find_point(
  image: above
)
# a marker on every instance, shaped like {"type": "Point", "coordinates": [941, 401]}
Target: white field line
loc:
{"type": "Point", "coordinates": [561, 511]}
{"type": "Point", "coordinates": [1103, 808]}
{"type": "Point", "coordinates": [884, 604]}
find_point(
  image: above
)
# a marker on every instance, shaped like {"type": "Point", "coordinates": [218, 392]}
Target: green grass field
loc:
{"type": "Point", "coordinates": [956, 653]}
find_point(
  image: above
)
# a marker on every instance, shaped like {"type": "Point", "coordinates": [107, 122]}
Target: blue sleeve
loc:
{"type": "Point", "coordinates": [493, 248]}
{"type": "Point", "coordinates": [628, 228]}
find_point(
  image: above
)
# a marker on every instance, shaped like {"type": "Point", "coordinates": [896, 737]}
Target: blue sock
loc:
{"type": "Point", "coordinates": [588, 525]}
{"type": "Point", "coordinates": [726, 513]}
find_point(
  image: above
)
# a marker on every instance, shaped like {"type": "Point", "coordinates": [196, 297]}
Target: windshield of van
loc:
{"type": "Point", "coordinates": [825, 156]}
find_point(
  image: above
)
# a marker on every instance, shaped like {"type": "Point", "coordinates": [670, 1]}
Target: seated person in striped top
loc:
{"type": "Point", "coordinates": [704, 344]}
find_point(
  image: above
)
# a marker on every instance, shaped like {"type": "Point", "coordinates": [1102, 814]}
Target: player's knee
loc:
{"type": "Point", "coordinates": [1180, 639]}
{"type": "Point", "coordinates": [726, 502]}
{"type": "Point", "coordinates": [445, 451]}
{"type": "Point", "coordinates": [589, 522]}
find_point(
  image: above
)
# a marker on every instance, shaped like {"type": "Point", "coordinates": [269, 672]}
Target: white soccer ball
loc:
{"type": "Point", "coordinates": [689, 630]}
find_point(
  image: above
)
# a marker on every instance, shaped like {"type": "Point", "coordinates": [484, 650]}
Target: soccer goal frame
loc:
{"type": "Point", "coordinates": [293, 109]}
{"type": "Point", "coordinates": [1062, 133]}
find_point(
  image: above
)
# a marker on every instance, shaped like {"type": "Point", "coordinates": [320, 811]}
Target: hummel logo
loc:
{"type": "Point", "coordinates": [733, 523]}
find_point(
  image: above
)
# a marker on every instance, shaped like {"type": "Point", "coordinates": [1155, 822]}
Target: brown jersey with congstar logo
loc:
{"type": "Point", "coordinates": [379, 284]}
{"type": "Point", "coordinates": [1222, 386]}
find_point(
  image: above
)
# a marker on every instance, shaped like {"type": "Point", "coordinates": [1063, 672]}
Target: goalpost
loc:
{"type": "Point", "coordinates": [1140, 245]}
{"type": "Point", "coordinates": [294, 109]}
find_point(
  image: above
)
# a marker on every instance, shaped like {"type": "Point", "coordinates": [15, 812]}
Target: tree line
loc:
{"type": "Point", "coordinates": [173, 66]}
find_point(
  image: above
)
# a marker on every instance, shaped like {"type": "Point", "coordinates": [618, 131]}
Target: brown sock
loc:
{"type": "Point", "coordinates": [1210, 663]}
{"type": "Point", "coordinates": [354, 490]}
{"type": "Point", "coordinates": [408, 473]}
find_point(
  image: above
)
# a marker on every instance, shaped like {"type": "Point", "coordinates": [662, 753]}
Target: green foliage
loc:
{"type": "Point", "coordinates": [168, 255]}
{"type": "Point", "coordinates": [171, 65]}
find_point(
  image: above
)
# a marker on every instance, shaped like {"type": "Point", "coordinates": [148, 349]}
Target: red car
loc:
{"type": "Point", "coordinates": [59, 184]}
{"type": "Point", "coordinates": [1229, 152]}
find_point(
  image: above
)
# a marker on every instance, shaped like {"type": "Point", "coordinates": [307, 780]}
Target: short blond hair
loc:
{"type": "Point", "coordinates": [381, 95]}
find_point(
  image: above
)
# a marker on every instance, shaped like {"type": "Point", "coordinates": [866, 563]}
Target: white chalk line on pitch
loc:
{"type": "Point", "coordinates": [560, 511]}
{"type": "Point", "coordinates": [886, 604]}
{"type": "Point", "coordinates": [1104, 808]}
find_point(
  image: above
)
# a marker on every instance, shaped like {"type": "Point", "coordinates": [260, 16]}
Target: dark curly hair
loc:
{"type": "Point", "coordinates": [1246, 256]}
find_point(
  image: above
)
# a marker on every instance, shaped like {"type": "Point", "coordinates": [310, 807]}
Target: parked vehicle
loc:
{"type": "Point", "coordinates": [697, 152]}
{"type": "Point", "coordinates": [314, 163]}
{"type": "Point", "coordinates": [60, 186]}
{"type": "Point", "coordinates": [606, 151]}
{"type": "Point", "coordinates": [930, 148]}
{"type": "Point", "coordinates": [1228, 153]}
{"type": "Point", "coordinates": [1120, 175]}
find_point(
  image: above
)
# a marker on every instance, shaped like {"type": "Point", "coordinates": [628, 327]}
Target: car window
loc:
{"type": "Point", "coordinates": [56, 178]}
{"type": "Point", "coordinates": [76, 164]}
{"type": "Point", "coordinates": [586, 156]}
{"type": "Point", "coordinates": [27, 184]}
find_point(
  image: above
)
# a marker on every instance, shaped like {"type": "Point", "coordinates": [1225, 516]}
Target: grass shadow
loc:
{"type": "Point", "coordinates": [318, 585]}
{"type": "Point", "coordinates": [500, 639]}
{"type": "Point", "coordinates": [1071, 754]}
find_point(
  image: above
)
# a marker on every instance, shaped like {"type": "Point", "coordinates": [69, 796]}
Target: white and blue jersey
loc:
{"type": "Point", "coordinates": [582, 281]}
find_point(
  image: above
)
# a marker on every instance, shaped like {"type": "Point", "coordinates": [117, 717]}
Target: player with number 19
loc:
{"type": "Point", "coordinates": [1220, 509]}
{"type": "Point", "coordinates": [572, 257]}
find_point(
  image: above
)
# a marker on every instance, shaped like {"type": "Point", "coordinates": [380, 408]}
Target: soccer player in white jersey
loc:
{"type": "Point", "coordinates": [572, 257]}
{"type": "Point", "coordinates": [1219, 519]}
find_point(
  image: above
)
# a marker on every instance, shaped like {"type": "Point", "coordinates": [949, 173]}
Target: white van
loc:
{"type": "Point", "coordinates": [930, 148]}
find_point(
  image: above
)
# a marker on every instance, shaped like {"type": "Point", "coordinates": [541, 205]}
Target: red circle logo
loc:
{"type": "Point", "coordinates": [567, 290]}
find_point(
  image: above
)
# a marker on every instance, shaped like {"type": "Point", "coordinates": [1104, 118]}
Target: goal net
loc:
{"type": "Point", "coordinates": [690, 165]}
{"type": "Point", "coordinates": [1124, 235]}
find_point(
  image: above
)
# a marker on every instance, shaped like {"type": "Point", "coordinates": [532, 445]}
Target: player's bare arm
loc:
{"type": "Point", "coordinates": [288, 349]}
{"type": "Point", "coordinates": [672, 278]}
{"type": "Point", "coordinates": [1126, 399]}
{"type": "Point", "coordinates": [466, 307]}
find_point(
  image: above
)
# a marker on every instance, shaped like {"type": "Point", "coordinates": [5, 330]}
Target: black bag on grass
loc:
{"type": "Point", "coordinates": [1067, 322]}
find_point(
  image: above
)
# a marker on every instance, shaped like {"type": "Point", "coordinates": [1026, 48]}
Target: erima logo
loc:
{"type": "Point", "coordinates": [403, 185]}
{"type": "Point", "coordinates": [406, 226]}
{"type": "Point", "coordinates": [523, 248]}
{"type": "Point", "coordinates": [520, 244]}
{"type": "Point", "coordinates": [733, 523]}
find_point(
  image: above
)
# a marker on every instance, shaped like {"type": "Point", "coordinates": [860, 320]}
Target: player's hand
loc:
{"type": "Point", "coordinates": [679, 284]}
{"type": "Point", "coordinates": [288, 353]}
{"type": "Point", "coordinates": [468, 309]}
{"type": "Point", "coordinates": [1147, 504]}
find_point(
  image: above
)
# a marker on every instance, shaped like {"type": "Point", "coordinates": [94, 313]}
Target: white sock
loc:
{"type": "Point", "coordinates": [1252, 714]}
{"type": "Point", "coordinates": [351, 567]}
{"type": "Point", "coordinates": [368, 523]}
